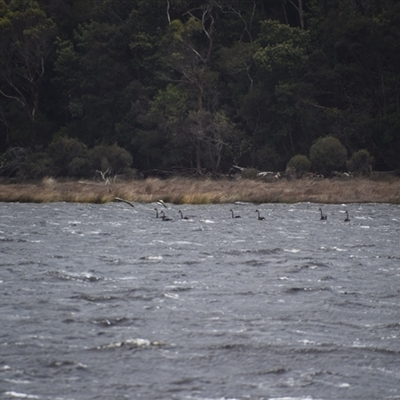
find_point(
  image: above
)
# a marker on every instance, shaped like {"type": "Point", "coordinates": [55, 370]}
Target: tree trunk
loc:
{"type": "Point", "coordinates": [299, 8]}
{"type": "Point", "coordinates": [198, 157]}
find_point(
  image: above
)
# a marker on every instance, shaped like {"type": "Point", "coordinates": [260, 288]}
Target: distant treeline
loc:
{"type": "Point", "coordinates": [107, 86]}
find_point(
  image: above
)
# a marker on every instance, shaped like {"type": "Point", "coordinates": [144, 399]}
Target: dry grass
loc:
{"type": "Point", "coordinates": [204, 191]}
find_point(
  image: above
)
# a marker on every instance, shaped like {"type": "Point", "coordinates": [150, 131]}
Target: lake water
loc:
{"type": "Point", "coordinates": [109, 302]}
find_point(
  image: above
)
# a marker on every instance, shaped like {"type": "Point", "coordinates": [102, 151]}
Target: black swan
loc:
{"type": "Point", "coordinates": [260, 218]}
{"type": "Point", "coordinates": [347, 219]}
{"type": "Point", "coordinates": [323, 216]}
{"type": "Point", "coordinates": [156, 212]}
{"type": "Point", "coordinates": [182, 217]}
{"type": "Point", "coordinates": [164, 217]}
{"type": "Point", "coordinates": [233, 215]}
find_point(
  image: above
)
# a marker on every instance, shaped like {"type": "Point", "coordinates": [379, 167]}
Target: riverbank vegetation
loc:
{"type": "Point", "coordinates": [181, 87]}
{"type": "Point", "coordinates": [207, 191]}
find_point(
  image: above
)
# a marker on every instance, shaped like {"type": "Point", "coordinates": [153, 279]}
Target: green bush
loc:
{"type": "Point", "coordinates": [79, 167]}
{"type": "Point", "coordinates": [36, 165]}
{"type": "Point", "coordinates": [64, 153]}
{"type": "Point", "coordinates": [250, 173]}
{"type": "Point", "coordinates": [115, 158]}
{"type": "Point", "coordinates": [327, 155]}
{"type": "Point", "coordinates": [299, 165]}
{"type": "Point", "coordinates": [361, 163]}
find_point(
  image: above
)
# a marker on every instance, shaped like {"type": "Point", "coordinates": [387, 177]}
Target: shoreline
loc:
{"type": "Point", "coordinates": [207, 191]}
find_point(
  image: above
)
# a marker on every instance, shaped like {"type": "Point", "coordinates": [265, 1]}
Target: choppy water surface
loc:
{"type": "Point", "coordinates": [108, 302]}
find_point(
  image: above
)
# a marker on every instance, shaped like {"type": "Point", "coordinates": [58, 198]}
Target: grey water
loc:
{"type": "Point", "coordinates": [110, 302]}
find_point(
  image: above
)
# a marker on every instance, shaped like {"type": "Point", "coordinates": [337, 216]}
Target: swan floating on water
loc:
{"type": "Point", "coordinates": [260, 218]}
{"type": "Point", "coordinates": [233, 215]}
{"type": "Point", "coordinates": [347, 219]}
{"type": "Point", "coordinates": [164, 217]}
{"type": "Point", "coordinates": [323, 216]}
{"type": "Point", "coordinates": [182, 217]}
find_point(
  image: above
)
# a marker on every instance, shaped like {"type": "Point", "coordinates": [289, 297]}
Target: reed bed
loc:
{"type": "Point", "coordinates": [207, 191]}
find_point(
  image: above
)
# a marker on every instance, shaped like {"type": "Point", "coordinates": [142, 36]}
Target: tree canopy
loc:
{"type": "Point", "coordinates": [198, 86]}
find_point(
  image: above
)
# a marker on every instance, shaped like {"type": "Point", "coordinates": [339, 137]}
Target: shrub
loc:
{"type": "Point", "coordinates": [327, 155]}
{"type": "Point", "coordinates": [112, 157]}
{"type": "Point", "coordinates": [250, 173]}
{"type": "Point", "coordinates": [361, 163]}
{"type": "Point", "coordinates": [36, 165]}
{"type": "Point", "coordinates": [64, 153]}
{"type": "Point", "coordinates": [299, 164]}
{"type": "Point", "coordinates": [11, 161]}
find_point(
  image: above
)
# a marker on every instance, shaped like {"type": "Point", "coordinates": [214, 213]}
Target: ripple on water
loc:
{"type": "Point", "coordinates": [99, 303]}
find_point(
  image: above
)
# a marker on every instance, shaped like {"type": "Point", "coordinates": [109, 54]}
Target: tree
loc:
{"type": "Point", "coordinates": [355, 74]}
{"type": "Point", "coordinates": [327, 155]}
{"type": "Point", "coordinates": [299, 164]}
{"type": "Point", "coordinates": [113, 158]}
{"type": "Point", "coordinates": [188, 50]}
{"type": "Point", "coordinates": [360, 163]}
{"type": "Point", "coordinates": [26, 43]}
{"type": "Point", "coordinates": [68, 157]}
{"type": "Point", "coordinates": [282, 58]}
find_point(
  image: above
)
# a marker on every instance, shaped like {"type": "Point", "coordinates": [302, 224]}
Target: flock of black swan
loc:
{"type": "Point", "coordinates": [163, 217]}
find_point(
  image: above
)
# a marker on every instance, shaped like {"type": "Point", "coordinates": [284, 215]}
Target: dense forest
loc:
{"type": "Point", "coordinates": [198, 86]}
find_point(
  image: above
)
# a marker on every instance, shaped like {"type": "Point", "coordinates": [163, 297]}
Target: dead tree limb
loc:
{"type": "Point", "coordinates": [123, 201]}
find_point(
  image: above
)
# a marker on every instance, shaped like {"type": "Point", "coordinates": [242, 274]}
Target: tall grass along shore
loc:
{"type": "Point", "coordinates": [207, 191]}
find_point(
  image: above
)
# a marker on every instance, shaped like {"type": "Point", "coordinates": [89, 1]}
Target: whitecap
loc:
{"type": "Point", "coordinates": [291, 398]}
{"type": "Point", "coordinates": [74, 232]}
{"type": "Point", "coordinates": [127, 278]}
{"type": "Point", "coordinates": [130, 343]}
{"type": "Point", "coordinates": [171, 296]}
{"type": "Point", "coordinates": [152, 258]}
{"type": "Point", "coordinates": [306, 341]}
{"type": "Point", "coordinates": [292, 250]}
{"type": "Point", "coordinates": [22, 395]}
{"type": "Point", "coordinates": [74, 222]}
{"type": "Point", "coordinates": [186, 242]}
{"type": "Point", "coordinates": [18, 381]}
{"type": "Point", "coordinates": [338, 249]}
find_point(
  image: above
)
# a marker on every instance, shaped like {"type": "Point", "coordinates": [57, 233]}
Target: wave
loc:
{"type": "Point", "coordinates": [112, 321]}
{"type": "Point", "coordinates": [95, 299]}
{"type": "Point", "coordinates": [129, 344]}
{"type": "Point", "coordinates": [307, 289]}
{"type": "Point", "coordinates": [83, 276]}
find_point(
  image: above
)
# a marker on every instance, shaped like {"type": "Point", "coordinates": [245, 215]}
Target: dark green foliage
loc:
{"type": "Point", "coordinates": [35, 165]}
{"type": "Point", "coordinates": [298, 165]}
{"type": "Point", "coordinates": [112, 158]}
{"type": "Point", "coordinates": [69, 157]}
{"type": "Point", "coordinates": [198, 85]}
{"type": "Point", "coordinates": [327, 155]}
{"type": "Point", "coordinates": [360, 163]}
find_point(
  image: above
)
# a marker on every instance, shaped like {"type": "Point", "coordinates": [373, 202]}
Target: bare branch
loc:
{"type": "Point", "coordinates": [299, 9]}
{"type": "Point", "coordinates": [124, 201]}
{"type": "Point", "coordinates": [168, 16]}
{"type": "Point", "coordinates": [107, 179]}
{"type": "Point", "coordinates": [13, 97]}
